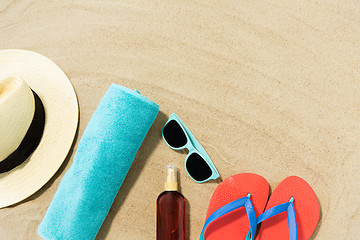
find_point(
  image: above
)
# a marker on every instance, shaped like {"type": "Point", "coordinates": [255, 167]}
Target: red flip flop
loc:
{"type": "Point", "coordinates": [234, 206]}
{"type": "Point", "coordinates": [292, 212]}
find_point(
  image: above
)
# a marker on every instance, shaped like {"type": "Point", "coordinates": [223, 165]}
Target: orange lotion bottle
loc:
{"type": "Point", "coordinates": [170, 209]}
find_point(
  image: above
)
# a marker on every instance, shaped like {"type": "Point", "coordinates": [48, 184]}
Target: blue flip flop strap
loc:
{"type": "Point", "coordinates": [241, 202]}
{"type": "Point", "coordinates": [284, 207]}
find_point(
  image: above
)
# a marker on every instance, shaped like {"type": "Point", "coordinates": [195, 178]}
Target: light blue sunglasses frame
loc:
{"type": "Point", "coordinates": [193, 146]}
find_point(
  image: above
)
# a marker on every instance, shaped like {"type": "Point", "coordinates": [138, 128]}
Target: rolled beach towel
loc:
{"type": "Point", "coordinates": [101, 162]}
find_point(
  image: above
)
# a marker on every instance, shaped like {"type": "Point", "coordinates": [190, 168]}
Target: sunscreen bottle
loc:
{"type": "Point", "coordinates": [170, 209]}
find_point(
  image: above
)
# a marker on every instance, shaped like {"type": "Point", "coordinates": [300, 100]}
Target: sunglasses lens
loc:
{"type": "Point", "coordinates": [174, 134]}
{"type": "Point", "coordinates": [198, 168]}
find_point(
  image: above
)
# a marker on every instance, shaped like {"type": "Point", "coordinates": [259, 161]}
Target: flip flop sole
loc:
{"type": "Point", "coordinates": [235, 225]}
{"type": "Point", "coordinates": [307, 210]}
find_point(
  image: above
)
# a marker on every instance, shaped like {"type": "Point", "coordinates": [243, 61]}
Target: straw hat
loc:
{"type": "Point", "coordinates": [38, 121]}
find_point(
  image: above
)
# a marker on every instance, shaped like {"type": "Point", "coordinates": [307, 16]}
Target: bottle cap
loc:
{"type": "Point", "coordinates": [171, 178]}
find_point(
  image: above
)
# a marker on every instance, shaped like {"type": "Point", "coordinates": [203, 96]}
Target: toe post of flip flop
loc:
{"type": "Point", "coordinates": [240, 205]}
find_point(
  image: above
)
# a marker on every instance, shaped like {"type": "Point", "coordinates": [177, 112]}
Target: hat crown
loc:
{"type": "Point", "coordinates": [17, 107]}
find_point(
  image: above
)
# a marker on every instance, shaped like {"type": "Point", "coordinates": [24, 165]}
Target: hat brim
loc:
{"type": "Point", "coordinates": [61, 121]}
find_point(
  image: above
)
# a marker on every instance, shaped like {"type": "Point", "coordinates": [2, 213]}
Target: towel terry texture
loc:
{"type": "Point", "coordinates": [101, 162]}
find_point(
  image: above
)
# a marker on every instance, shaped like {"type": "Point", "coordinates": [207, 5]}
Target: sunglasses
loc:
{"type": "Point", "coordinates": [198, 164]}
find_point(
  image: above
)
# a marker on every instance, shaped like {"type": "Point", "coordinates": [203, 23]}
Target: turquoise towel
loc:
{"type": "Point", "coordinates": [101, 162]}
